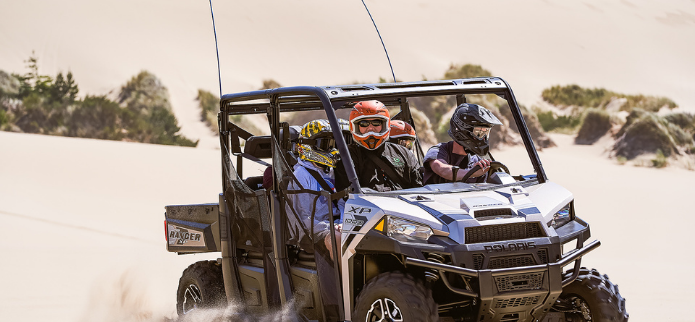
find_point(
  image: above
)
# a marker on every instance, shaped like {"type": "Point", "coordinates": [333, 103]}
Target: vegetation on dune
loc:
{"type": "Point", "coordinates": [577, 103]}
{"type": "Point", "coordinates": [35, 103]}
{"type": "Point", "coordinates": [209, 107]}
{"type": "Point", "coordinates": [596, 124]}
{"type": "Point", "coordinates": [575, 95]}
{"type": "Point", "coordinates": [549, 121]}
{"type": "Point", "coordinates": [593, 113]}
{"type": "Point", "coordinates": [646, 132]}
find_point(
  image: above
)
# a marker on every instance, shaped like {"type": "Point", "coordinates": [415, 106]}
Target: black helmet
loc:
{"type": "Point", "coordinates": [470, 127]}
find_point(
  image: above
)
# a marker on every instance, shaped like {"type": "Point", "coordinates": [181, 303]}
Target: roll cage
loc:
{"type": "Point", "coordinates": [272, 102]}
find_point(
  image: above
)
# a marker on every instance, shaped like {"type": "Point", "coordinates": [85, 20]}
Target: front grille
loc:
{"type": "Point", "coordinates": [511, 261]}
{"type": "Point", "coordinates": [478, 261]}
{"type": "Point", "coordinates": [493, 233]}
{"type": "Point", "coordinates": [530, 281]}
{"type": "Point", "coordinates": [516, 301]}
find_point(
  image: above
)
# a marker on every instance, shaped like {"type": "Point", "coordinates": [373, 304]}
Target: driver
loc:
{"type": "Point", "coordinates": [469, 128]}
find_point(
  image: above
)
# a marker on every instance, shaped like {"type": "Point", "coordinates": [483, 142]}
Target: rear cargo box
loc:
{"type": "Point", "coordinates": [192, 228]}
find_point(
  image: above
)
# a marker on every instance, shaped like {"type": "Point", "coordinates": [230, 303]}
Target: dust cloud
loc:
{"type": "Point", "coordinates": [132, 296]}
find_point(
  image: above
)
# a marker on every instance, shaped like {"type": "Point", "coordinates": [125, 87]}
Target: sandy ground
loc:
{"type": "Point", "coordinates": [629, 46]}
{"type": "Point", "coordinates": [83, 237]}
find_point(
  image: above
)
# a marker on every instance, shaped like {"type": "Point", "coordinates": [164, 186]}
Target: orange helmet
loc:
{"type": "Point", "coordinates": [402, 133]}
{"type": "Point", "coordinates": [369, 114]}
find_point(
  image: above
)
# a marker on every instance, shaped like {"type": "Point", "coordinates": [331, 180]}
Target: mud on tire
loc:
{"type": "Point", "coordinates": [591, 297]}
{"type": "Point", "coordinates": [400, 296]}
{"type": "Point", "coordinates": [200, 286]}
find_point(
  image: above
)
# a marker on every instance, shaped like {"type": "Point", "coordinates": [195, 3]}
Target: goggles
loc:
{"type": "Point", "coordinates": [321, 144]}
{"type": "Point", "coordinates": [325, 144]}
{"type": "Point", "coordinates": [365, 123]}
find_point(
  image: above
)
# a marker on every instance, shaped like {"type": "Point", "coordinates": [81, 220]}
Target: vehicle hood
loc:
{"type": "Point", "coordinates": [452, 212]}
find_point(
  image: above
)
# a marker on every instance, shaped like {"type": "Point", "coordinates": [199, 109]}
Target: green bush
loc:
{"type": "Point", "coordinates": [575, 95]}
{"type": "Point", "coordinates": [209, 107]}
{"type": "Point", "coordinates": [647, 134]}
{"type": "Point", "coordinates": [622, 160]}
{"type": "Point", "coordinates": [551, 122]}
{"type": "Point", "coordinates": [4, 119]}
{"type": "Point", "coordinates": [42, 104]}
{"type": "Point", "coordinates": [596, 124]}
{"type": "Point", "coordinates": [685, 121]}
{"type": "Point", "coordinates": [660, 160]}
{"type": "Point", "coordinates": [466, 71]}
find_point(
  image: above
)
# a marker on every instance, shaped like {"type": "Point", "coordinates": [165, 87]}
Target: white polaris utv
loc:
{"type": "Point", "coordinates": [508, 249]}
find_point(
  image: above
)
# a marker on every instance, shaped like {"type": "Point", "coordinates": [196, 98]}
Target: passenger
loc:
{"type": "Point", "coordinates": [402, 133]}
{"type": "Point", "coordinates": [314, 171]}
{"type": "Point", "coordinates": [380, 165]}
{"type": "Point", "coordinates": [345, 129]}
{"type": "Point", "coordinates": [469, 128]}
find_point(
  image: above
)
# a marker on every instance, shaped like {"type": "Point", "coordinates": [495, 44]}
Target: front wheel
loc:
{"type": "Point", "coordinates": [394, 297]}
{"type": "Point", "coordinates": [591, 297]}
{"type": "Point", "coordinates": [200, 286]}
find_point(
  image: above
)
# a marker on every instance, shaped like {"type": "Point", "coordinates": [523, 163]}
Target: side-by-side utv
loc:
{"type": "Point", "coordinates": [508, 249]}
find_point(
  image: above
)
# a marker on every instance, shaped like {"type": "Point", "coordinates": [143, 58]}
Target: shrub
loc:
{"type": "Point", "coordinates": [9, 85]}
{"type": "Point", "coordinates": [660, 160]}
{"type": "Point", "coordinates": [41, 104]}
{"type": "Point", "coordinates": [595, 125]}
{"type": "Point", "coordinates": [575, 95]}
{"type": "Point", "coordinates": [622, 160]}
{"type": "Point", "coordinates": [270, 84]}
{"type": "Point", "coordinates": [551, 122]}
{"type": "Point", "coordinates": [4, 119]}
{"type": "Point", "coordinates": [466, 71]}
{"type": "Point", "coordinates": [143, 92]}
{"type": "Point", "coordinates": [648, 134]}
{"type": "Point", "coordinates": [209, 107]}
{"type": "Point", "coordinates": [685, 121]}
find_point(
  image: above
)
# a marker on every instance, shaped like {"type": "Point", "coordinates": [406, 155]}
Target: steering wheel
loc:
{"type": "Point", "coordinates": [495, 166]}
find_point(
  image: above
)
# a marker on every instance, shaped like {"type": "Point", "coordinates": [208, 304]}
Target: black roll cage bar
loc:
{"type": "Point", "coordinates": [330, 98]}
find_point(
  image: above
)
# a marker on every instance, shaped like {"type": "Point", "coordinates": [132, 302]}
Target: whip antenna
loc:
{"type": "Point", "coordinates": [382, 40]}
{"type": "Point", "coordinates": [217, 50]}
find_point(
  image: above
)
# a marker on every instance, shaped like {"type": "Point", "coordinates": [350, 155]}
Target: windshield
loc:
{"type": "Point", "coordinates": [424, 134]}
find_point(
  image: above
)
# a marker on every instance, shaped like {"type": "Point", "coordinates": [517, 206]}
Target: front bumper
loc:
{"type": "Point", "coordinates": [525, 293]}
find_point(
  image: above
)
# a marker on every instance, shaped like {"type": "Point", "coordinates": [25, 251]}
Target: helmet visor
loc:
{"type": "Point", "coordinates": [481, 132]}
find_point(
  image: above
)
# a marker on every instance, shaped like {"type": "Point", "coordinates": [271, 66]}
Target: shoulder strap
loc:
{"type": "Point", "coordinates": [322, 182]}
{"type": "Point", "coordinates": [388, 169]}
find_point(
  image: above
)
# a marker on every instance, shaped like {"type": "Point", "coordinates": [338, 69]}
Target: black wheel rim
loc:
{"type": "Point", "coordinates": [384, 310]}
{"type": "Point", "coordinates": [191, 298]}
{"type": "Point", "coordinates": [575, 308]}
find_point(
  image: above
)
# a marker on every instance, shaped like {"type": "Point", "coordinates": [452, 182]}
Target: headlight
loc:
{"type": "Point", "coordinates": [407, 231]}
{"type": "Point", "coordinates": [563, 216]}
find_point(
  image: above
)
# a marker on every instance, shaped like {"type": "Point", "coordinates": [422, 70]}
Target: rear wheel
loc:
{"type": "Point", "coordinates": [395, 296]}
{"type": "Point", "coordinates": [200, 286]}
{"type": "Point", "coordinates": [591, 297]}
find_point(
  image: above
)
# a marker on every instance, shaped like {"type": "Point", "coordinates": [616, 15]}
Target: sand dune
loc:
{"type": "Point", "coordinates": [630, 46]}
